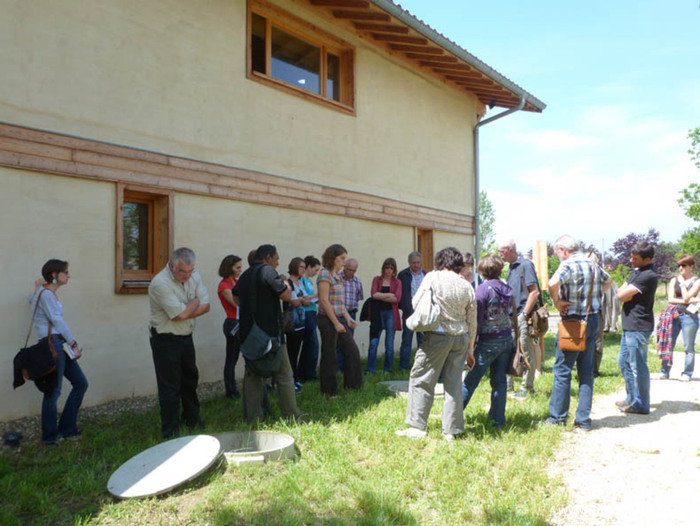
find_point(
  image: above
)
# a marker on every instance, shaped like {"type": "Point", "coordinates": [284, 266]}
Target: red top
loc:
{"type": "Point", "coordinates": [395, 289]}
{"type": "Point", "coordinates": [228, 284]}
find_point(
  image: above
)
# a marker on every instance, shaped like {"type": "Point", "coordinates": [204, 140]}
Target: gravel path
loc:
{"type": "Point", "coordinates": [636, 469]}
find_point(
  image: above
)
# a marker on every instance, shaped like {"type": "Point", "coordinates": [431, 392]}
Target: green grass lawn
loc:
{"type": "Point", "coordinates": [351, 468]}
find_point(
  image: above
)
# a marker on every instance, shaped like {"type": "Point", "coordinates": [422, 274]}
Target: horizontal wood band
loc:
{"type": "Point", "coordinates": [41, 151]}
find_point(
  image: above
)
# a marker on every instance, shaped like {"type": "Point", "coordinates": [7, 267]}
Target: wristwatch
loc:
{"type": "Point", "coordinates": [527, 315]}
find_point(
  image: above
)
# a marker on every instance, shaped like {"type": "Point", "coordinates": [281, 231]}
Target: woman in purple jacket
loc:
{"type": "Point", "coordinates": [494, 339]}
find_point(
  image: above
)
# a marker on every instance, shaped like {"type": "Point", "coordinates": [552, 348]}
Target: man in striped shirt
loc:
{"type": "Point", "coordinates": [572, 294]}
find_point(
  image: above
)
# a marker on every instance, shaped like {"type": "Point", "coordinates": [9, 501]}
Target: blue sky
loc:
{"type": "Point", "coordinates": [621, 80]}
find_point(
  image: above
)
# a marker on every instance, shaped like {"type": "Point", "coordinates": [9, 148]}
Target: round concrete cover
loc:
{"type": "Point", "coordinates": [164, 467]}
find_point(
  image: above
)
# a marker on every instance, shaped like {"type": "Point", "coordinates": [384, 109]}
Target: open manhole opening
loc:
{"type": "Point", "coordinates": [256, 447]}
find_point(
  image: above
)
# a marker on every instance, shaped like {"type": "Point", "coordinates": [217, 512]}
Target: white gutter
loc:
{"type": "Point", "coordinates": [477, 235]}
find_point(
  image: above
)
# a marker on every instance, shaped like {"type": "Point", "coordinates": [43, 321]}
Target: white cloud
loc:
{"type": "Point", "coordinates": [558, 140]}
{"type": "Point", "coordinates": [591, 205]}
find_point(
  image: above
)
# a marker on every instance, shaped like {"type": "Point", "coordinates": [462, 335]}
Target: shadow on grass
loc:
{"type": "Point", "coordinates": [368, 508]}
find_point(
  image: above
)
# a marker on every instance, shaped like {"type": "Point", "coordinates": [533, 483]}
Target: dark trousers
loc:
{"type": "Point", "coordinates": [308, 359]}
{"type": "Point", "coordinates": [233, 351]}
{"type": "Point", "coordinates": [338, 354]}
{"type": "Point", "coordinates": [177, 377]}
{"type": "Point", "coordinates": [330, 340]}
{"type": "Point", "coordinates": [294, 340]}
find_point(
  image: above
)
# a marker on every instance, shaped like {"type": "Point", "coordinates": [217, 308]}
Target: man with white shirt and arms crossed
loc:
{"type": "Point", "coordinates": [177, 296]}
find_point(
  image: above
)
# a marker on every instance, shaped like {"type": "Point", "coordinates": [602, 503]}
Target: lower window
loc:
{"type": "Point", "coordinates": [144, 236]}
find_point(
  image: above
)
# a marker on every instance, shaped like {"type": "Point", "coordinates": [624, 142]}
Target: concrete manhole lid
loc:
{"type": "Point", "coordinates": [164, 466]}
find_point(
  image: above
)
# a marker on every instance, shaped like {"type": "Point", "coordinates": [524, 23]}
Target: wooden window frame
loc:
{"type": "Point", "coordinates": [311, 34]}
{"type": "Point", "coordinates": [160, 236]}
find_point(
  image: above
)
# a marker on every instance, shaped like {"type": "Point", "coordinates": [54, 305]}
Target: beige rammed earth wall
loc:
{"type": "Point", "coordinates": [169, 76]}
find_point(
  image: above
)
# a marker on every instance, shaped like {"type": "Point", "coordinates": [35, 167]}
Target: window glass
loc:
{"type": "Point", "coordinates": [295, 61]}
{"type": "Point", "coordinates": [333, 77]}
{"type": "Point", "coordinates": [135, 218]}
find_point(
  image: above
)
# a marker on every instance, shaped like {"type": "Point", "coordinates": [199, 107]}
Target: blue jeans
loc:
{"type": "Point", "coordinates": [563, 365]}
{"type": "Point", "coordinates": [66, 426]}
{"type": "Point", "coordinates": [493, 355]}
{"type": "Point", "coordinates": [634, 346]}
{"type": "Point", "coordinates": [688, 323]}
{"type": "Point", "coordinates": [407, 344]}
{"type": "Point", "coordinates": [387, 319]}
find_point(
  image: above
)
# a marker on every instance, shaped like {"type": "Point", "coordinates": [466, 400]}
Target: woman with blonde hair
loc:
{"type": "Point", "coordinates": [386, 293]}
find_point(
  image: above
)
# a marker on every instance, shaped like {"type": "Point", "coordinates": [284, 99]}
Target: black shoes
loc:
{"type": "Point", "coordinates": [631, 410]}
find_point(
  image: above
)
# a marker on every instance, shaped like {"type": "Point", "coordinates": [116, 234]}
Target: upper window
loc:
{"type": "Point", "coordinates": [144, 233]}
{"type": "Point", "coordinates": [291, 54]}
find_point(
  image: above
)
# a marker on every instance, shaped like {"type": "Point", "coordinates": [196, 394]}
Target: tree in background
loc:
{"type": "Point", "coordinates": [690, 202]}
{"type": "Point", "coordinates": [694, 136]}
{"type": "Point", "coordinates": [487, 218]}
{"type": "Point", "coordinates": [664, 253]}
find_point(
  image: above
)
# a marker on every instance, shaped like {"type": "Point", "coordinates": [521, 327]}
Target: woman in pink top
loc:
{"type": "Point", "coordinates": [229, 270]}
{"type": "Point", "coordinates": [386, 293]}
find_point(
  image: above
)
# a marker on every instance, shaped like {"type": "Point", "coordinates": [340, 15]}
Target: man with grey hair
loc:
{"type": "Point", "coordinates": [411, 278]}
{"type": "Point", "coordinates": [177, 296]}
{"type": "Point", "coordinates": [577, 289]}
{"type": "Point", "coordinates": [522, 279]}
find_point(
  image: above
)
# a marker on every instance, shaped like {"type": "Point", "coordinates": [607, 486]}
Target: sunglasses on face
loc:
{"type": "Point", "coordinates": [682, 265]}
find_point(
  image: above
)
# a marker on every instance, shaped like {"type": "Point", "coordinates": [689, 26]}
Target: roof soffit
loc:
{"type": "Point", "coordinates": [398, 33]}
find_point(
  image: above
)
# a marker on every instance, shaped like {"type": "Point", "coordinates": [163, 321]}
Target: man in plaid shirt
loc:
{"type": "Point", "coordinates": [352, 288]}
{"type": "Point", "coordinates": [352, 295]}
{"type": "Point", "coordinates": [569, 288]}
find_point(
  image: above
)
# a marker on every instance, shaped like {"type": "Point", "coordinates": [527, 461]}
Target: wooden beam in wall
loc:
{"type": "Point", "coordinates": [46, 152]}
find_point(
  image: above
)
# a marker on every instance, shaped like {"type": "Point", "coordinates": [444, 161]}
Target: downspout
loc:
{"type": "Point", "coordinates": [477, 235]}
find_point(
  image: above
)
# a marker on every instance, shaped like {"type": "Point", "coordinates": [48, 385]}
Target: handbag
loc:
{"type": "Point", "coordinates": [517, 362]}
{"type": "Point", "coordinates": [260, 351]}
{"type": "Point", "coordinates": [426, 312]}
{"type": "Point", "coordinates": [288, 319]}
{"type": "Point", "coordinates": [572, 333]}
{"type": "Point", "coordinates": [38, 362]}
{"type": "Point", "coordinates": [539, 319]}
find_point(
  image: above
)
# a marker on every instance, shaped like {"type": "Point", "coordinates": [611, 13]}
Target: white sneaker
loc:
{"type": "Point", "coordinates": [411, 432]}
{"type": "Point", "coordinates": [449, 437]}
{"type": "Point", "coordinates": [684, 378]}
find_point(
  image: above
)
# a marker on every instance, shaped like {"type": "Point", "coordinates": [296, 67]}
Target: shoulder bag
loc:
{"type": "Point", "coordinates": [517, 363]}
{"type": "Point", "coordinates": [539, 318]}
{"type": "Point", "coordinates": [261, 352]}
{"type": "Point", "coordinates": [38, 362]}
{"type": "Point", "coordinates": [426, 315]}
{"type": "Point", "coordinates": [572, 333]}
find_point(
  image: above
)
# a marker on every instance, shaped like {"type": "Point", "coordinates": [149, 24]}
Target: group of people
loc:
{"type": "Point", "coordinates": [477, 318]}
